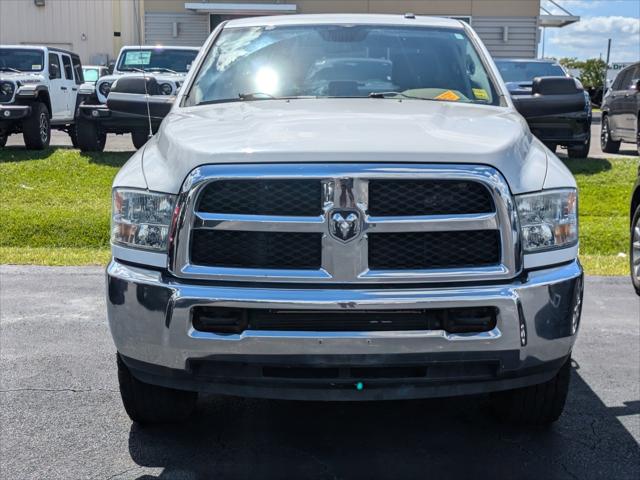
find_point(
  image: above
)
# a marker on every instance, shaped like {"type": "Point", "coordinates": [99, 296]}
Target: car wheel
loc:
{"type": "Point", "coordinates": [36, 129]}
{"type": "Point", "coordinates": [552, 146]}
{"type": "Point", "coordinates": [3, 140]}
{"type": "Point", "coordinates": [73, 135]}
{"type": "Point", "coordinates": [151, 404]}
{"type": "Point", "coordinates": [580, 151]}
{"type": "Point", "coordinates": [607, 144]}
{"type": "Point", "coordinates": [634, 250]}
{"type": "Point", "coordinates": [638, 135]}
{"type": "Point", "coordinates": [537, 404]}
{"type": "Point", "coordinates": [139, 138]}
{"type": "Point", "coordinates": [90, 138]}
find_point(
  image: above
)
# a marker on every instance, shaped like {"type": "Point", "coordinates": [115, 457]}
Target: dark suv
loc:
{"type": "Point", "coordinates": [620, 111]}
{"type": "Point", "coordinates": [635, 235]}
{"type": "Point", "coordinates": [570, 129]}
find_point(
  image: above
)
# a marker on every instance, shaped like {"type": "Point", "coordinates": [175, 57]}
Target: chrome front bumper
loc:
{"type": "Point", "coordinates": [149, 315]}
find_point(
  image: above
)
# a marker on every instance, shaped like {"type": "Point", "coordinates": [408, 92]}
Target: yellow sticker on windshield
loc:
{"type": "Point", "coordinates": [448, 95]}
{"type": "Point", "coordinates": [480, 94]}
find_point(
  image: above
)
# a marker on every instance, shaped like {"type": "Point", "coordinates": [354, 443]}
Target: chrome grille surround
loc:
{"type": "Point", "coordinates": [345, 188]}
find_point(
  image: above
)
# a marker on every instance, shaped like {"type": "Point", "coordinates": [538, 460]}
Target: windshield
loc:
{"type": "Point", "coordinates": [21, 59]}
{"type": "Point", "coordinates": [157, 59]}
{"type": "Point", "coordinates": [527, 71]}
{"type": "Point", "coordinates": [91, 74]}
{"type": "Point", "coordinates": [260, 63]}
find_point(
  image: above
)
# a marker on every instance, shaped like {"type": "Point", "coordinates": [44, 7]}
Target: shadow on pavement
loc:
{"type": "Point", "coordinates": [440, 438]}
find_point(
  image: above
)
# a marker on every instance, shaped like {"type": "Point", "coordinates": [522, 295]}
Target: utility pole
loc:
{"type": "Point", "coordinates": [606, 68]}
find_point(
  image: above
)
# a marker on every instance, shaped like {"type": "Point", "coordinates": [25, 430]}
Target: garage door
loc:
{"type": "Point", "coordinates": [182, 29]}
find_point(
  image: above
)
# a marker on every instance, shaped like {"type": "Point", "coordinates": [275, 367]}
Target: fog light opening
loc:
{"type": "Point", "coordinates": [523, 326]}
{"type": "Point", "coordinates": [577, 307]}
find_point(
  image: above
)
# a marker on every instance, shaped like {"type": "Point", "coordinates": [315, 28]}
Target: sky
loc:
{"type": "Point", "coordinates": [599, 20]}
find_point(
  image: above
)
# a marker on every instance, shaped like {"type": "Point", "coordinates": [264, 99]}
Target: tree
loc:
{"type": "Point", "coordinates": [592, 72]}
{"type": "Point", "coordinates": [571, 62]}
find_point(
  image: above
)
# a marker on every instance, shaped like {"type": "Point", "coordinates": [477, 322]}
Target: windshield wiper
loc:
{"type": "Point", "coordinates": [394, 94]}
{"type": "Point", "coordinates": [9, 69]}
{"type": "Point", "coordinates": [256, 96]}
{"type": "Point", "coordinates": [160, 69]}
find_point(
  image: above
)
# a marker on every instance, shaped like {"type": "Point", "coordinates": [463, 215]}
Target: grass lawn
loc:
{"type": "Point", "coordinates": [56, 208]}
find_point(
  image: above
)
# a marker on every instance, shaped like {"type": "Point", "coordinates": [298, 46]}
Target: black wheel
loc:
{"type": "Point", "coordinates": [73, 135]}
{"type": "Point", "coordinates": [552, 146]}
{"type": "Point", "coordinates": [579, 151]}
{"type": "Point", "coordinates": [638, 135]}
{"type": "Point", "coordinates": [149, 404]}
{"type": "Point", "coordinates": [139, 138]}
{"type": "Point", "coordinates": [608, 144]}
{"type": "Point", "coordinates": [3, 139]}
{"type": "Point", "coordinates": [535, 405]}
{"type": "Point", "coordinates": [634, 255]}
{"type": "Point", "coordinates": [89, 136]}
{"type": "Point", "coordinates": [36, 129]}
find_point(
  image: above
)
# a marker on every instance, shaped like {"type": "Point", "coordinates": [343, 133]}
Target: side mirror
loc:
{"type": "Point", "coordinates": [551, 96]}
{"type": "Point", "coordinates": [130, 96]}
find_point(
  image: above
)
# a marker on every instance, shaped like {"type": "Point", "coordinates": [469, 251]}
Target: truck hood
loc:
{"type": "Point", "coordinates": [341, 130]}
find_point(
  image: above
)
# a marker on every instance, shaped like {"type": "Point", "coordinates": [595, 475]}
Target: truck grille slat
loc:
{"type": "Point", "coordinates": [424, 250]}
{"type": "Point", "coordinates": [427, 197]}
{"type": "Point", "coordinates": [256, 249]}
{"type": "Point", "coordinates": [263, 197]}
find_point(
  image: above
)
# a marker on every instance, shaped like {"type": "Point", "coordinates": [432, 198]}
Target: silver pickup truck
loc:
{"type": "Point", "coordinates": [344, 207]}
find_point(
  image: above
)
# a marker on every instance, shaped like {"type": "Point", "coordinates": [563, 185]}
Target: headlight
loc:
{"type": "Point", "coordinates": [6, 89]}
{"type": "Point", "coordinates": [548, 220]}
{"type": "Point", "coordinates": [166, 88]}
{"type": "Point", "coordinates": [105, 88]}
{"type": "Point", "coordinates": [141, 219]}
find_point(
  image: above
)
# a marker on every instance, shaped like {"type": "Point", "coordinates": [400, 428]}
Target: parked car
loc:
{"type": "Point", "coordinates": [634, 249]}
{"type": "Point", "coordinates": [92, 73]}
{"type": "Point", "coordinates": [571, 128]}
{"type": "Point", "coordinates": [621, 111]}
{"type": "Point", "coordinates": [38, 91]}
{"type": "Point", "coordinates": [163, 68]}
{"type": "Point", "coordinates": [355, 245]}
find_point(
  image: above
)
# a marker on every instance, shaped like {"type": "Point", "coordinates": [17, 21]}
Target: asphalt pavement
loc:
{"type": "Point", "coordinates": [61, 415]}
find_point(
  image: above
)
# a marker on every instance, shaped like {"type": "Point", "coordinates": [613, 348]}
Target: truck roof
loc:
{"type": "Point", "coordinates": [158, 47]}
{"type": "Point", "coordinates": [41, 47]}
{"type": "Point", "coordinates": [350, 18]}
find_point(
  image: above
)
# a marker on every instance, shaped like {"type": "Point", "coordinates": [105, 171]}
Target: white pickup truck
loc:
{"type": "Point", "coordinates": [344, 207]}
{"type": "Point", "coordinates": [39, 89]}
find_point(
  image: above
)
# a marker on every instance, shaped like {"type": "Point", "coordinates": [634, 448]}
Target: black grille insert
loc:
{"type": "Point", "coordinates": [263, 197]}
{"type": "Point", "coordinates": [223, 320]}
{"type": "Point", "coordinates": [425, 250]}
{"type": "Point", "coordinates": [428, 197]}
{"type": "Point", "coordinates": [278, 250]}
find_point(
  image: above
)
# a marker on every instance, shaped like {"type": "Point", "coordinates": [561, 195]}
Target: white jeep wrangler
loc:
{"type": "Point", "coordinates": [39, 89]}
{"type": "Point", "coordinates": [345, 207]}
{"type": "Point", "coordinates": [164, 69]}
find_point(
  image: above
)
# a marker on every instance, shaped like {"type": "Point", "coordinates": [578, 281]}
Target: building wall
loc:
{"type": "Point", "coordinates": [83, 26]}
{"type": "Point", "coordinates": [508, 28]}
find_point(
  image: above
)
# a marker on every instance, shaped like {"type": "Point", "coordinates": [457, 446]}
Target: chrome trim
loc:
{"type": "Point", "coordinates": [138, 255]}
{"type": "Point", "coordinates": [550, 257]}
{"type": "Point", "coordinates": [345, 187]}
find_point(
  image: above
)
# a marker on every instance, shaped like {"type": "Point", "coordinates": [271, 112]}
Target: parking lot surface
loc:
{"type": "Point", "coordinates": [61, 415]}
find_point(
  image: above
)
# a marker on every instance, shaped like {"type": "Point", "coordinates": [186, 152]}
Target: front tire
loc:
{"type": "Point", "coordinates": [607, 143]}
{"type": "Point", "coordinates": [89, 137]}
{"type": "Point", "coordinates": [634, 251]}
{"type": "Point", "coordinates": [36, 129]}
{"type": "Point", "coordinates": [148, 404]}
{"type": "Point", "coordinates": [3, 140]}
{"type": "Point", "coordinates": [552, 146]}
{"type": "Point", "coordinates": [139, 138]}
{"type": "Point", "coordinates": [537, 404]}
{"type": "Point", "coordinates": [580, 151]}
{"type": "Point", "coordinates": [73, 135]}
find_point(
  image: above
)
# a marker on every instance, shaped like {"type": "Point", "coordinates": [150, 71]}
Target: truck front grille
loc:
{"type": "Point", "coordinates": [346, 223]}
